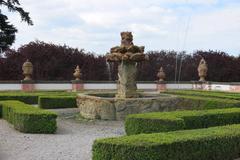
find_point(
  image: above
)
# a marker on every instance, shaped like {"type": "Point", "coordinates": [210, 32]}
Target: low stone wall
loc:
{"type": "Point", "coordinates": [68, 85]}
{"type": "Point", "coordinates": [95, 107]}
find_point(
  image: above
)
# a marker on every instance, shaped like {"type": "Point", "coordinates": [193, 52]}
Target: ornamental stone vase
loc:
{"type": "Point", "coordinates": [161, 75]}
{"type": "Point", "coordinates": [77, 74]}
{"type": "Point", "coordinates": [202, 70]}
{"type": "Point", "coordinates": [27, 70]}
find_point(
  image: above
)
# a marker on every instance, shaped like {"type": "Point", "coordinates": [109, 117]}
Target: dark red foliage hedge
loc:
{"type": "Point", "coordinates": [56, 62]}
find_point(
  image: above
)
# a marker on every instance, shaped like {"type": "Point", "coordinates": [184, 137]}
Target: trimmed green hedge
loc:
{"type": "Point", "coordinates": [31, 97]}
{"type": "Point", "coordinates": [199, 93]}
{"type": "Point", "coordinates": [180, 120]}
{"type": "Point", "coordinates": [52, 102]}
{"type": "Point", "coordinates": [27, 118]}
{"type": "Point", "coordinates": [216, 143]}
{"type": "Point", "coordinates": [198, 103]}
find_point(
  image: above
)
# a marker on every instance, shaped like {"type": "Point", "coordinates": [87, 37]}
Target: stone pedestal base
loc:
{"type": "Point", "coordinates": [198, 85]}
{"type": "Point", "coordinates": [27, 86]}
{"type": "Point", "coordinates": [127, 87]}
{"type": "Point", "coordinates": [161, 86]}
{"type": "Point", "coordinates": [77, 85]}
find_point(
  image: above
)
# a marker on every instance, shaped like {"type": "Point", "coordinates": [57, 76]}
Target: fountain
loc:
{"type": "Point", "coordinates": [127, 55]}
{"type": "Point", "coordinates": [127, 100]}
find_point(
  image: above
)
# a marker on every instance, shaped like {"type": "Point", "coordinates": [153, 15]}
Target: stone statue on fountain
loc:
{"type": "Point", "coordinates": [127, 55]}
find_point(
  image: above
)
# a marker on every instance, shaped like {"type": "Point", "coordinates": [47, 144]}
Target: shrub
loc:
{"type": "Point", "coordinates": [199, 93]}
{"type": "Point", "coordinates": [216, 143]}
{"type": "Point", "coordinates": [31, 97]}
{"type": "Point", "coordinates": [23, 98]}
{"type": "Point", "coordinates": [27, 118]}
{"type": "Point", "coordinates": [194, 102]}
{"type": "Point", "coordinates": [57, 102]}
{"type": "Point", "coordinates": [179, 120]}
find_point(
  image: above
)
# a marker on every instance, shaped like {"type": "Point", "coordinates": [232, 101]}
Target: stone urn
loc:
{"type": "Point", "coordinates": [161, 75]}
{"type": "Point", "coordinates": [27, 70]}
{"type": "Point", "coordinates": [77, 74]}
{"type": "Point", "coordinates": [202, 70]}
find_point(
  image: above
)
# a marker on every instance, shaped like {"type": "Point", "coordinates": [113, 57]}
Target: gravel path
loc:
{"type": "Point", "coordinates": [73, 140]}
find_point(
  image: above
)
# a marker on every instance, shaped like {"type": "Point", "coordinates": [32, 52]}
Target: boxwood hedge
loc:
{"type": "Point", "coordinates": [195, 102]}
{"type": "Point", "coordinates": [27, 118]}
{"type": "Point", "coordinates": [213, 94]}
{"type": "Point", "coordinates": [179, 120]}
{"type": "Point", "coordinates": [52, 102]}
{"type": "Point", "coordinates": [32, 97]}
{"type": "Point", "coordinates": [29, 99]}
{"type": "Point", "coordinates": [216, 143]}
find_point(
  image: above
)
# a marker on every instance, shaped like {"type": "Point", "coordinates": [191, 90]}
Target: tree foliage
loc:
{"type": "Point", "coordinates": [57, 62]}
{"type": "Point", "coordinates": [8, 31]}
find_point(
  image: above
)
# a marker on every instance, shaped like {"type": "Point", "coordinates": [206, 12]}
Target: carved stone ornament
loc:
{"type": "Point", "coordinates": [27, 70]}
{"type": "Point", "coordinates": [161, 75]}
{"type": "Point", "coordinates": [127, 55]}
{"type": "Point", "coordinates": [77, 74]}
{"type": "Point", "coordinates": [202, 70]}
{"type": "Point", "coordinates": [127, 51]}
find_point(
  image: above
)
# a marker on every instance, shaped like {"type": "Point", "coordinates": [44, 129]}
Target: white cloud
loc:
{"type": "Point", "coordinates": [158, 24]}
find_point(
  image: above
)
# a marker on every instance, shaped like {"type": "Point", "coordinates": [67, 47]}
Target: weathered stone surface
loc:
{"type": "Point", "coordinates": [27, 68]}
{"type": "Point", "coordinates": [96, 108]}
{"type": "Point", "coordinates": [117, 108]}
{"type": "Point", "coordinates": [127, 55]}
{"type": "Point", "coordinates": [127, 86]}
{"type": "Point", "coordinates": [202, 70]}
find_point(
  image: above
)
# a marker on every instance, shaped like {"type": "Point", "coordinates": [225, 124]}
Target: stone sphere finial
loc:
{"type": "Point", "coordinates": [27, 68]}
{"type": "Point", "coordinates": [202, 70]}
{"type": "Point", "coordinates": [77, 74]}
{"type": "Point", "coordinates": [161, 75]}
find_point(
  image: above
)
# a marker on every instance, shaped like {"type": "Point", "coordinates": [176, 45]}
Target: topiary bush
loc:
{"type": "Point", "coordinates": [180, 120]}
{"type": "Point", "coordinates": [27, 118]}
{"type": "Point", "coordinates": [53, 102]}
{"type": "Point", "coordinates": [216, 143]}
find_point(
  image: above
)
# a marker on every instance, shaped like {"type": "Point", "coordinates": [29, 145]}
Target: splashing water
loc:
{"type": "Point", "coordinates": [109, 70]}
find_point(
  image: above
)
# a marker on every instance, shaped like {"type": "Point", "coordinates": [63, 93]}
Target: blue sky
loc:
{"type": "Point", "coordinates": [157, 24]}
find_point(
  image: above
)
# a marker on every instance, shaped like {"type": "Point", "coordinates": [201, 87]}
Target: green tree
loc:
{"type": "Point", "coordinates": [7, 30]}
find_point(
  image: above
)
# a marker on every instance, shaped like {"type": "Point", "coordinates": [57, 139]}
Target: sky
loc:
{"type": "Point", "coordinates": [95, 25]}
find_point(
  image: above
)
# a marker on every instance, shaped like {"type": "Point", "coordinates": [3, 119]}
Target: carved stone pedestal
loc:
{"type": "Point", "coordinates": [161, 86]}
{"type": "Point", "coordinates": [127, 87]}
{"type": "Point", "coordinates": [28, 85]}
{"type": "Point", "coordinates": [201, 85]}
{"type": "Point", "coordinates": [77, 85]}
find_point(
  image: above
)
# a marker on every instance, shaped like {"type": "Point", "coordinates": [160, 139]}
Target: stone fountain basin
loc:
{"type": "Point", "coordinates": [106, 106]}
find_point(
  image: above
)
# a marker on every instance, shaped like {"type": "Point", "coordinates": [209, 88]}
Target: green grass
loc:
{"type": "Point", "coordinates": [216, 143]}
{"type": "Point", "coordinates": [27, 118]}
{"type": "Point", "coordinates": [180, 120]}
